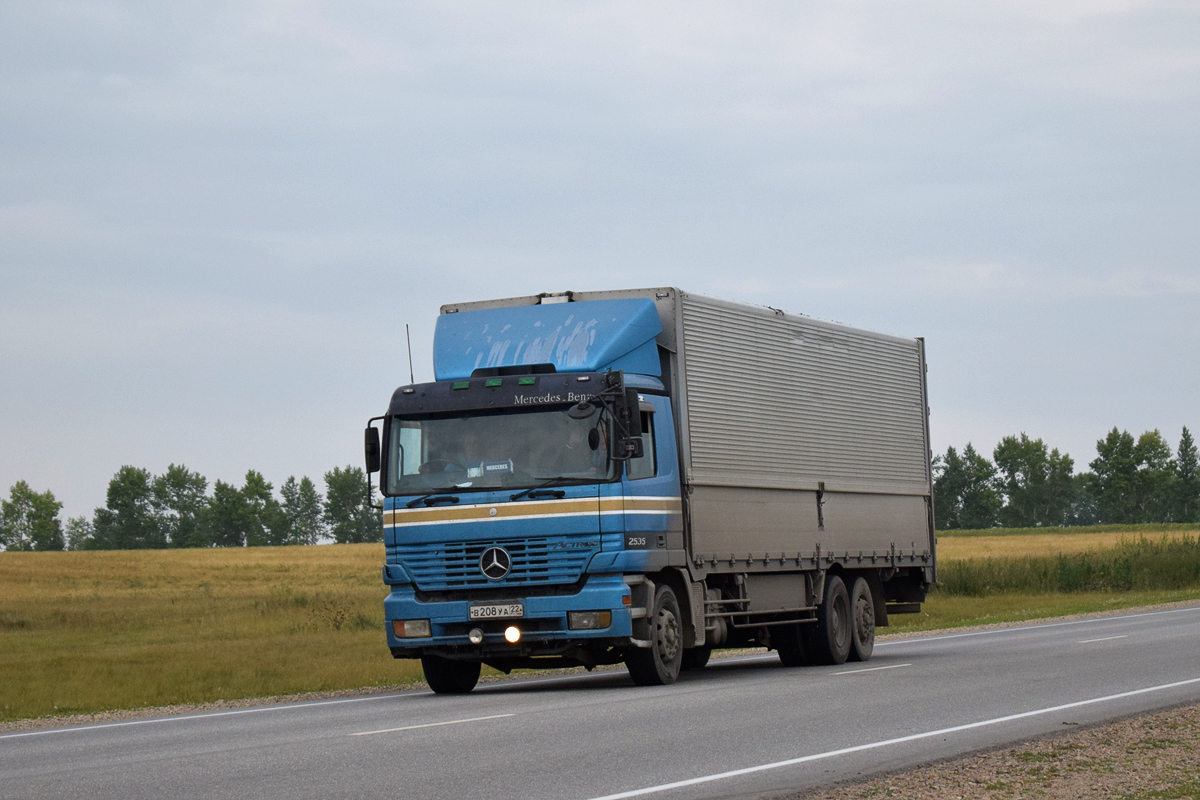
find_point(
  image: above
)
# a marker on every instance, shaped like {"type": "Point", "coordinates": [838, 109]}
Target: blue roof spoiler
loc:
{"type": "Point", "coordinates": [583, 336]}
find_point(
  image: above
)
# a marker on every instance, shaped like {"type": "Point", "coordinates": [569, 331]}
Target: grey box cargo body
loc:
{"type": "Point", "coordinates": [802, 442]}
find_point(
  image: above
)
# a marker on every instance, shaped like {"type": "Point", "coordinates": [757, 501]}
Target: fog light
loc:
{"type": "Point", "coordinates": [476, 636]}
{"type": "Point", "coordinates": [588, 620]}
{"type": "Point", "coordinates": [512, 634]}
{"type": "Point", "coordinates": [410, 628]}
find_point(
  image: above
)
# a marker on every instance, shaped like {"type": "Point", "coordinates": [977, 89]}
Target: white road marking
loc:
{"type": "Point", "coordinates": [872, 669]}
{"type": "Point", "coordinates": [433, 724]}
{"type": "Point", "coordinates": [885, 743]}
{"type": "Point", "coordinates": [397, 696]}
{"type": "Point", "coordinates": [1105, 639]}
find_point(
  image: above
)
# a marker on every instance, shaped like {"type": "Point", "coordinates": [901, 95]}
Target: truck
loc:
{"type": "Point", "coordinates": [644, 475]}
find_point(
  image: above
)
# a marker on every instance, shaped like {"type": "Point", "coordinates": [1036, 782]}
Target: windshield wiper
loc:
{"type": "Point", "coordinates": [541, 489]}
{"type": "Point", "coordinates": [432, 498]}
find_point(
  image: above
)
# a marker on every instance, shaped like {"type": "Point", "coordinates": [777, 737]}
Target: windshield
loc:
{"type": "Point", "coordinates": [512, 449]}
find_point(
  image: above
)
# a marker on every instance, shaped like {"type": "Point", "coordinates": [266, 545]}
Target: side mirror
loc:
{"type": "Point", "coordinates": [633, 412]}
{"type": "Point", "coordinates": [371, 447]}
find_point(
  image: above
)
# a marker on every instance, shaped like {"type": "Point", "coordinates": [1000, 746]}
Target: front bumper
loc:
{"type": "Point", "coordinates": [543, 629]}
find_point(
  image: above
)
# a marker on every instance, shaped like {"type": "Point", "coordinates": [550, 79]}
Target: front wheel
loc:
{"type": "Point", "coordinates": [658, 664]}
{"type": "Point", "coordinates": [450, 677]}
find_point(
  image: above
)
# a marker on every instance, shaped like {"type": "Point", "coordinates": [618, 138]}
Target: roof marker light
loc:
{"type": "Point", "coordinates": [528, 380]}
{"type": "Point", "coordinates": [493, 382]}
{"type": "Point", "coordinates": [461, 385]}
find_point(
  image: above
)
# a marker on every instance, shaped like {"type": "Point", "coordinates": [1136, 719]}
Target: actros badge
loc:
{"type": "Point", "coordinates": [495, 563]}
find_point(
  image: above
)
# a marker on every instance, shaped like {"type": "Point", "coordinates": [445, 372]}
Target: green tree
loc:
{"type": "Point", "coordinates": [128, 521]}
{"type": "Point", "coordinates": [226, 519]}
{"type": "Point", "coordinates": [29, 520]}
{"type": "Point", "coordinates": [1186, 506]}
{"type": "Point", "coordinates": [1037, 484]}
{"type": "Point", "coordinates": [179, 498]}
{"type": "Point", "coordinates": [1085, 506]}
{"type": "Point", "coordinates": [348, 511]}
{"type": "Point", "coordinates": [1153, 481]}
{"type": "Point", "coordinates": [80, 534]}
{"type": "Point", "coordinates": [266, 524]}
{"type": "Point", "coordinates": [302, 507]}
{"type": "Point", "coordinates": [1115, 468]}
{"type": "Point", "coordinates": [964, 492]}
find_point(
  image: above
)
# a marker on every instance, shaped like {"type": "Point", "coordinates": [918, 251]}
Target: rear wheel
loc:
{"type": "Point", "coordinates": [828, 642]}
{"type": "Point", "coordinates": [696, 658]}
{"type": "Point", "coordinates": [658, 664]}
{"type": "Point", "coordinates": [450, 677]}
{"type": "Point", "coordinates": [862, 618]}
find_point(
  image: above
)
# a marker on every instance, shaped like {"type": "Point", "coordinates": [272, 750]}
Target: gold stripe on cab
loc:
{"type": "Point", "coordinates": [537, 508]}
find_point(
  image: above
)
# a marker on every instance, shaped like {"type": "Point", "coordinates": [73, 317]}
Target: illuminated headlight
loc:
{"type": "Point", "coordinates": [410, 628]}
{"type": "Point", "coordinates": [588, 620]}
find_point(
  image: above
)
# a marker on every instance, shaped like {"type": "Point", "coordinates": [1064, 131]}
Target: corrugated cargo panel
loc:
{"type": "Point", "coordinates": [783, 401]}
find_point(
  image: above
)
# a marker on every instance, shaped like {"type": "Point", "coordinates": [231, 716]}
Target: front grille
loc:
{"type": "Point", "coordinates": [535, 561]}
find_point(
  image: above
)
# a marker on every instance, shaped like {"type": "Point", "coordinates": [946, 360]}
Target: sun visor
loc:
{"type": "Point", "coordinates": [586, 336]}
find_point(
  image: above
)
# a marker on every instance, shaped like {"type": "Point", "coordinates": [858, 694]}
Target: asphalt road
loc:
{"type": "Point", "coordinates": [743, 727]}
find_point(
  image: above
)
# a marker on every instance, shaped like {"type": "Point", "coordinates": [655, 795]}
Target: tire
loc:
{"type": "Point", "coordinates": [659, 664]}
{"type": "Point", "coordinates": [828, 641]}
{"type": "Point", "coordinates": [862, 621]}
{"type": "Point", "coordinates": [696, 658]}
{"type": "Point", "coordinates": [450, 677]}
{"type": "Point", "coordinates": [790, 645]}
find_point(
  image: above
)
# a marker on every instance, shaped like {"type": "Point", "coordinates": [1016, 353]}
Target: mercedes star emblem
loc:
{"type": "Point", "coordinates": [495, 563]}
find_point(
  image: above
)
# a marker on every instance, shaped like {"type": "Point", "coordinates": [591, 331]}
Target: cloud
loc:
{"type": "Point", "coordinates": [242, 204]}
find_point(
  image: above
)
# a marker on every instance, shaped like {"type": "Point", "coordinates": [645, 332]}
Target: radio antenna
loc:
{"type": "Point", "coordinates": [411, 379]}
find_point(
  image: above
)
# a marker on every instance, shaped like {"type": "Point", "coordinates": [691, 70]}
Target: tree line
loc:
{"type": "Point", "coordinates": [1027, 484]}
{"type": "Point", "coordinates": [176, 509]}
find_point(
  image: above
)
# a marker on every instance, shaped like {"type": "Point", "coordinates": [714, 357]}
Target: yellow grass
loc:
{"type": "Point", "coordinates": [950, 548]}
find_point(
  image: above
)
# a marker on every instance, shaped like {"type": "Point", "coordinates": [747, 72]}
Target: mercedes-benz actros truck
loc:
{"type": "Point", "coordinates": [642, 476]}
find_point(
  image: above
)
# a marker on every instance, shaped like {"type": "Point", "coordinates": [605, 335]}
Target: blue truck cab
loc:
{"type": "Point", "coordinates": [529, 490]}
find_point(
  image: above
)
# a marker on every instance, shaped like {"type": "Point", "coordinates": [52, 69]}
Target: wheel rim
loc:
{"type": "Point", "coordinates": [864, 620]}
{"type": "Point", "coordinates": [667, 636]}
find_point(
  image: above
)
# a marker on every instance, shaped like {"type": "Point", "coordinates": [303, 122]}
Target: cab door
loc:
{"type": "Point", "coordinates": [651, 504]}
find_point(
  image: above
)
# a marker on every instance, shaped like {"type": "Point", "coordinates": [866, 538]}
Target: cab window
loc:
{"type": "Point", "coordinates": [647, 465]}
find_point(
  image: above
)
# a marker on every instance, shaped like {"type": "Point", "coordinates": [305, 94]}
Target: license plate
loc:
{"type": "Point", "coordinates": [497, 611]}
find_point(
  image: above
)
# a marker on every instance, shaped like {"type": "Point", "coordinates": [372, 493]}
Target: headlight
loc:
{"type": "Point", "coordinates": [588, 620]}
{"type": "Point", "coordinates": [410, 628]}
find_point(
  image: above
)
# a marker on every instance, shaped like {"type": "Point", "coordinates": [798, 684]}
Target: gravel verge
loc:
{"type": "Point", "coordinates": [118, 715]}
{"type": "Point", "coordinates": [1153, 756]}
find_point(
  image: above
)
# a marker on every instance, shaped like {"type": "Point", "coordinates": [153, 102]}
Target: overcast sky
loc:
{"type": "Point", "coordinates": [216, 218]}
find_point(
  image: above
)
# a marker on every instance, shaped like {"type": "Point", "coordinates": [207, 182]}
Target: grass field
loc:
{"type": "Point", "coordinates": [1052, 542]}
{"type": "Point", "coordinates": [85, 631]}
{"type": "Point", "coordinates": [92, 631]}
